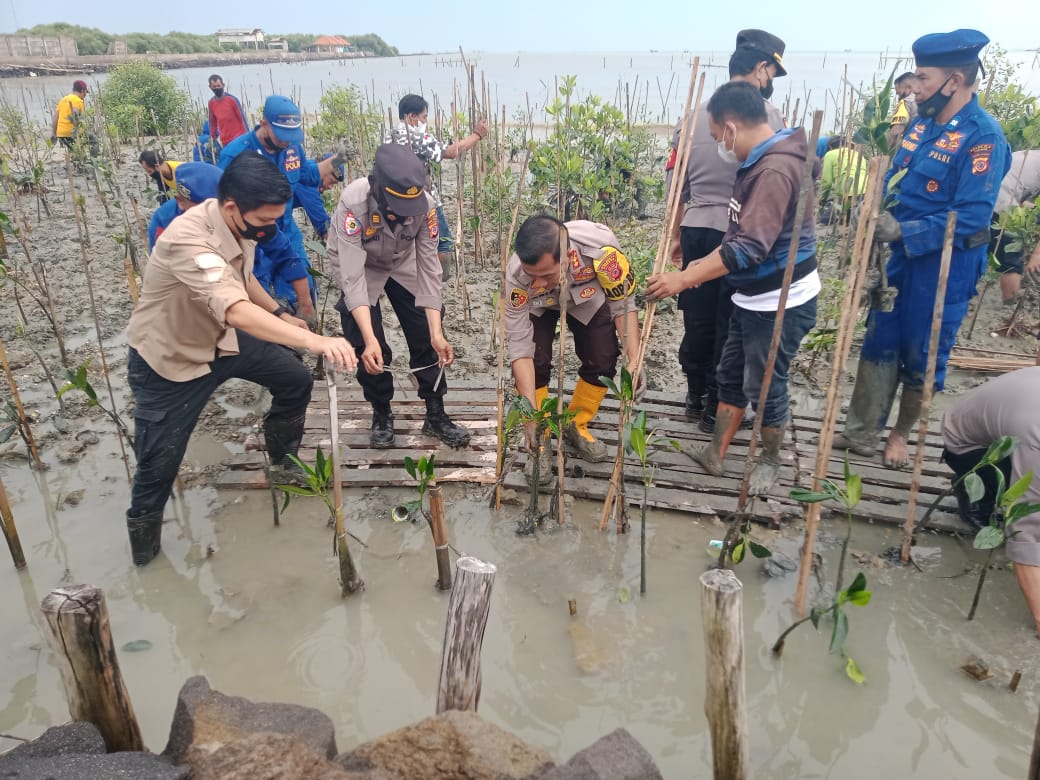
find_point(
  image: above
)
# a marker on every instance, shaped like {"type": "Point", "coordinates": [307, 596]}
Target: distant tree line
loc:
{"type": "Point", "coordinates": [90, 40]}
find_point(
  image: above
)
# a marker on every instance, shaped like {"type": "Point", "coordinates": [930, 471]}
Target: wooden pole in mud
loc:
{"type": "Point", "coordinates": [23, 419]}
{"type": "Point", "coordinates": [1034, 762]}
{"type": "Point", "coordinates": [459, 685]}
{"type": "Point", "coordinates": [440, 537]}
{"type": "Point", "coordinates": [81, 639]}
{"type": "Point", "coordinates": [928, 391]}
{"type": "Point", "coordinates": [564, 294]}
{"type": "Point", "coordinates": [689, 123]}
{"type": "Point", "coordinates": [349, 579]}
{"type": "Point", "coordinates": [842, 346]}
{"type": "Point", "coordinates": [9, 530]}
{"type": "Point", "coordinates": [725, 702]}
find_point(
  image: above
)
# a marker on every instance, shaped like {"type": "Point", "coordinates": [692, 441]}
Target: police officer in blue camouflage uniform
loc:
{"type": "Point", "coordinates": [196, 182]}
{"type": "Point", "coordinates": [281, 261]}
{"type": "Point", "coordinates": [953, 157]}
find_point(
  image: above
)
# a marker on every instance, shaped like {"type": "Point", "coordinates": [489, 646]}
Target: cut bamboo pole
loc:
{"type": "Point", "coordinates": [564, 294]}
{"type": "Point", "coordinates": [859, 267]}
{"type": "Point", "coordinates": [928, 391]}
{"type": "Point", "coordinates": [23, 419]}
{"type": "Point", "coordinates": [440, 537]}
{"type": "Point", "coordinates": [350, 580]}
{"type": "Point", "coordinates": [1034, 762]}
{"type": "Point", "coordinates": [458, 687]}
{"type": "Point", "coordinates": [725, 702]}
{"type": "Point", "coordinates": [81, 639]}
{"type": "Point", "coordinates": [503, 296]}
{"type": "Point", "coordinates": [689, 123]}
{"type": "Point", "coordinates": [14, 544]}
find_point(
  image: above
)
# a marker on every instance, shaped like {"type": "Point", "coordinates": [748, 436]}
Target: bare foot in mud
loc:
{"type": "Point", "coordinates": [896, 454]}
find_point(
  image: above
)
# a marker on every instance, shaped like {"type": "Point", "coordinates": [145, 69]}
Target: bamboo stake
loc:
{"type": "Point", "coordinates": [9, 530]}
{"type": "Point", "coordinates": [458, 687]}
{"type": "Point", "coordinates": [350, 580]}
{"type": "Point", "coordinates": [781, 311]}
{"type": "Point", "coordinates": [1034, 761]}
{"type": "Point", "coordinates": [23, 418]}
{"type": "Point", "coordinates": [564, 294]}
{"type": "Point", "coordinates": [689, 122]}
{"type": "Point", "coordinates": [928, 391]}
{"type": "Point", "coordinates": [81, 638]}
{"type": "Point", "coordinates": [141, 224]}
{"type": "Point", "coordinates": [440, 537]}
{"type": "Point", "coordinates": [842, 346]}
{"type": "Point", "coordinates": [97, 325]}
{"type": "Point", "coordinates": [725, 700]}
{"type": "Point", "coordinates": [478, 244]}
{"type": "Point", "coordinates": [502, 301]}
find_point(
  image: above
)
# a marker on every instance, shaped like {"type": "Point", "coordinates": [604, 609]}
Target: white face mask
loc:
{"type": "Point", "coordinates": [420, 128]}
{"type": "Point", "coordinates": [729, 155]}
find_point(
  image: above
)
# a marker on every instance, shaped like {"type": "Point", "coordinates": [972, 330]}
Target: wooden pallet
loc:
{"type": "Point", "coordinates": [679, 483]}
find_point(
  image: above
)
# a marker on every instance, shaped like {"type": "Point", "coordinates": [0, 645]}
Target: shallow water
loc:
{"type": "Point", "coordinates": [261, 616]}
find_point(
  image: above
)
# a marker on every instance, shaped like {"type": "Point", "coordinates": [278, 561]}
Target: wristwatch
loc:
{"type": "Point", "coordinates": [280, 311]}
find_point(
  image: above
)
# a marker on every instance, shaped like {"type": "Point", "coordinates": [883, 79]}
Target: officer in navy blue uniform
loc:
{"type": "Point", "coordinates": [953, 157]}
{"type": "Point", "coordinates": [282, 257]}
{"type": "Point", "coordinates": [196, 182]}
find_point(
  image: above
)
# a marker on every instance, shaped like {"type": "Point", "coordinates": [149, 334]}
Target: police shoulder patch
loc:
{"type": "Point", "coordinates": [517, 297]}
{"type": "Point", "coordinates": [351, 226]}
{"type": "Point", "coordinates": [615, 273]}
{"type": "Point", "coordinates": [431, 223]}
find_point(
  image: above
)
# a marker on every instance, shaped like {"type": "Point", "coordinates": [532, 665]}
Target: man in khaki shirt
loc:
{"type": "Point", "coordinates": [383, 239]}
{"type": "Point", "coordinates": [202, 319]}
{"type": "Point", "coordinates": [600, 311]}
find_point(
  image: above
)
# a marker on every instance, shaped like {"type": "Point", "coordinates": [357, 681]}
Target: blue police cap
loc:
{"type": "Point", "coordinates": [284, 118]}
{"type": "Point", "coordinates": [948, 50]}
{"type": "Point", "coordinates": [197, 181]}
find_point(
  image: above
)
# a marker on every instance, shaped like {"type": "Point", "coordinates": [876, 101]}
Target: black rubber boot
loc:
{"type": "Point", "coordinates": [976, 514]}
{"type": "Point", "coordinates": [382, 435]}
{"type": "Point", "coordinates": [145, 535]}
{"type": "Point", "coordinates": [694, 397]}
{"type": "Point", "coordinates": [283, 436]}
{"type": "Point", "coordinates": [440, 425]}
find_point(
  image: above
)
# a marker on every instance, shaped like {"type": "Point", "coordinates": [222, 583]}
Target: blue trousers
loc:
{"type": "Point", "coordinates": [743, 364]}
{"type": "Point", "coordinates": [902, 335]}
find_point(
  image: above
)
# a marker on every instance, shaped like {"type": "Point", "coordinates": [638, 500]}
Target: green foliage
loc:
{"type": "Point", "coordinates": [422, 472]}
{"type": "Point", "coordinates": [1020, 227]}
{"type": "Point", "coordinates": [317, 479]}
{"type": "Point", "coordinates": [137, 97]}
{"type": "Point", "coordinates": [373, 44]}
{"type": "Point", "coordinates": [89, 40]}
{"type": "Point", "coordinates": [345, 116]}
{"type": "Point", "coordinates": [593, 161]}
{"type": "Point", "coordinates": [77, 380]}
{"type": "Point", "coordinates": [871, 124]}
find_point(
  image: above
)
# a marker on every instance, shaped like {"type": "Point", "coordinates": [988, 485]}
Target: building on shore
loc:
{"type": "Point", "coordinates": [277, 44]}
{"type": "Point", "coordinates": [330, 44]}
{"type": "Point", "coordinates": [241, 37]}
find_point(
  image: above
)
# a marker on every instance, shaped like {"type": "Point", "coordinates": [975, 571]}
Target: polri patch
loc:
{"type": "Point", "coordinates": [517, 297]}
{"type": "Point", "coordinates": [588, 292]}
{"type": "Point", "coordinates": [431, 223]}
{"type": "Point", "coordinates": [351, 226]}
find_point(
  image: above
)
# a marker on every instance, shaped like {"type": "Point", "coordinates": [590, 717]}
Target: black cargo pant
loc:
{"type": "Point", "coordinates": [595, 344]}
{"type": "Point", "coordinates": [166, 412]}
{"type": "Point", "coordinates": [379, 388]}
{"type": "Point", "coordinates": [706, 311]}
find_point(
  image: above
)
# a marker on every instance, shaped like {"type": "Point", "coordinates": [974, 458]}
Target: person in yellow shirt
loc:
{"type": "Point", "coordinates": [161, 171]}
{"type": "Point", "coordinates": [68, 114]}
{"type": "Point", "coordinates": [843, 179]}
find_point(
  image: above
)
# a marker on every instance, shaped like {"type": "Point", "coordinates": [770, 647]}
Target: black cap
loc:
{"type": "Point", "coordinates": [401, 177]}
{"type": "Point", "coordinates": [768, 45]}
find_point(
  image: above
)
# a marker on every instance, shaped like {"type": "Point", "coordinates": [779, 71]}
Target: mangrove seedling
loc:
{"type": "Point", "coordinates": [624, 391]}
{"type": "Point", "coordinates": [857, 593]}
{"type": "Point", "coordinates": [422, 472]}
{"type": "Point", "coordinates": [639, 442]}
{"type": "Point", "coordinates": [546, 419]}
{"type": "Point", "coordinates": [77, 380]}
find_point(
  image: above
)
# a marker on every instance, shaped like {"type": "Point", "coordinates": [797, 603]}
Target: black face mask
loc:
{"type": "Point", "coordinates": [261, 234]}
{"type": "Point", "coordinates": [767, 90]}
{"type": "Point", "coordinates": [935, 103]}
{"type": "Point", "coordinates": [218, 92]}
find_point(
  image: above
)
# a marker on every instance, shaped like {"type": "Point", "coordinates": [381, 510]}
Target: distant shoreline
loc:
{"type": "Point", "coordinates": [13, 67]}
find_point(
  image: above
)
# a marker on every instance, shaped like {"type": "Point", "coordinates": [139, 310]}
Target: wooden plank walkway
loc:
{"type": "Point", "coordinates": [679, 483]}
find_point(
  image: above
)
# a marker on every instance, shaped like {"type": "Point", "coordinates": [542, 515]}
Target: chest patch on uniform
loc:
{"type": "Point", "coordinates": [370, 231]}
{"type": "Point", "coordinates": [517, 297]}
{"type": "Point", "coordinates": [980, 158]}
{"type": "Point", "coordinates": [932, 186]}
{"type": "Point", "coordinates": [588, 292]}
{"type": "Point", "coordinates": [351, 226]}
{"type": "Point", "coordinates": [950, 141]}
{"type": "Point", "coordinates": [550, 301]}
{"type": "Point", "coordinates": [431, 223]}
{"type": "Point", "coordinates": [579, 271]}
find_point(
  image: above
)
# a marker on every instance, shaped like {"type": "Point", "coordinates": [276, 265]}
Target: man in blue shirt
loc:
{"type": "Point", "coordinates": [282, 263]}
{"type": "Point", "coordinates": [952, 158]}
{"type": "Point", "coordinates": [196, 182]}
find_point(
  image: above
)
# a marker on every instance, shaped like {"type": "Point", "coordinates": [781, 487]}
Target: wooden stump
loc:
{"type": "Point", "coordinates": [725, 700]}
{"type": "Point", "coordinates": [440, 538]}
{"type": "Point", "coordinates": [79, 635]}
{"type": "Point", "coordinates": [459, 686]}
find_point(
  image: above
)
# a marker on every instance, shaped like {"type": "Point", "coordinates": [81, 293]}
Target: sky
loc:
{"type": "Point", "coordinates": [555, 25]}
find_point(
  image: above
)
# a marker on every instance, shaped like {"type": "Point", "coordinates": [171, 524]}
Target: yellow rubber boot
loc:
{"type": "Point", "coordinates": [577, 440]}
{"type": "Point", "coordinates": [540, 394]}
